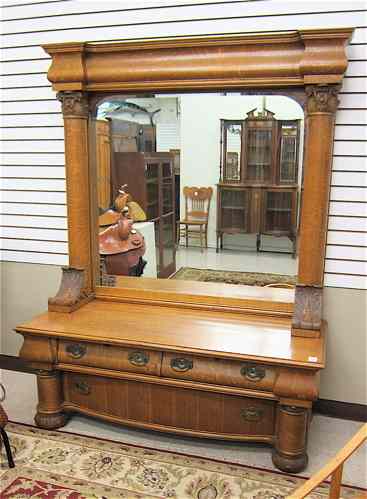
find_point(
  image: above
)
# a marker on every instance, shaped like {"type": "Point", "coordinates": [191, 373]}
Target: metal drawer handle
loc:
{"type": "Point", "coordinates": [82, 387]}
{"type": "Point", "coordinates": [251, 414]}
{"type": "Point", "coordinates": [138, 358]}
{"type": "Point", "coordinates": [253, 373]}
{"type": "Point", "coordinates": [76, 350]}
{"type": "Point", "coordinates": [181, 364]}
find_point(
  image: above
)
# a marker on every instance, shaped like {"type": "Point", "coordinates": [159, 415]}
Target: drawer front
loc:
{"type": "Point", "coordinates": [175, 408]}
{"type": "Point", "coordinates": [110, 357]}
{"type": "Point", "coordinates": [219, 371]}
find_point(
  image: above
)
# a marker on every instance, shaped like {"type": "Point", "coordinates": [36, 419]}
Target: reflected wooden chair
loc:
{"type": "Point", "coordinates": [195, 222]}
{"type": "Point", "coordinates": [333, 468]}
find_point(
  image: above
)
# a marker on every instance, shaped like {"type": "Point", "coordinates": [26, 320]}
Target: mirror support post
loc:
{"type": "Point", "coordinates": [321, 106]}
{"type": "Point", "coordinates": [75, 113]}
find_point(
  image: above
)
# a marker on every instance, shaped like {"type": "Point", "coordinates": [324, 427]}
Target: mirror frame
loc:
{"type": "Point", "coordinates": [307, 65]}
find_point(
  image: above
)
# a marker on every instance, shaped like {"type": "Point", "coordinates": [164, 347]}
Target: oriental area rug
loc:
{"type": "Point", "coordinates": [59, 465]}
{"type": "Point", "coordinates": [231, 277]}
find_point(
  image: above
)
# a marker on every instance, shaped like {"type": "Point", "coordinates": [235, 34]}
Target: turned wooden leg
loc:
{"type": "Point", "coordinates": [49, 414]}
{"type": "Point", "coordinates": [290, 440]}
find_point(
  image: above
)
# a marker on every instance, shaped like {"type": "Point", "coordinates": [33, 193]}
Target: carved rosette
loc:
{"type": "Point", "coordinates": [322, 98]}
{"type": "Point", "coordinates": [74, 104]}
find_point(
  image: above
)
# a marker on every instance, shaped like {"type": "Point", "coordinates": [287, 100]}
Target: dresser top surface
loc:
{"type": "Point", "coordinates": [221, 334]}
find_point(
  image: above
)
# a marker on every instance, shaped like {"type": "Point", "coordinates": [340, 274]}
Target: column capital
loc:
{"type": "Point", "coordinates": [322, 98]}
{"type": "Point", "coordinates": [74, 104]}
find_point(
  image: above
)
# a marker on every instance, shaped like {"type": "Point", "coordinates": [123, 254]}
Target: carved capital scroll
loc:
{"type": "Point", "coordinates": [322, 98]}
{"type": "Point", "coordinates": [70, 295]}
{"type": "Point", "coordinates": [307, 308]}
{"type": "Point", "coordinates": [74, 104]}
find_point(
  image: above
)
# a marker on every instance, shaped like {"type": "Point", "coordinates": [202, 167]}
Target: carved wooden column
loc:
{"type": "Point", "coordinates": [322, 103]}
{"type": "Point", "coordinates": [49, 413]}
{"type": "Point", "coordinates": [75, 112]}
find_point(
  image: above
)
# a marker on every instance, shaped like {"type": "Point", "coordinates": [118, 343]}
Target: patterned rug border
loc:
{"type": "Point", "coordinates": [191, 456]}
{"type": "Point", "coordinates": [183, 268]}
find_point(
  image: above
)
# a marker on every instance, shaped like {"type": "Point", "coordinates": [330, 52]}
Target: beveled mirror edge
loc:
{"type": "Point", "coordinates": [314, 60]}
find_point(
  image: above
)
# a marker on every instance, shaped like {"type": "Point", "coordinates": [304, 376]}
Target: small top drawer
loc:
{"type": "Point", "coordinates": [111, 357]}
{"type": "Point", "coordinates": [219, 371]}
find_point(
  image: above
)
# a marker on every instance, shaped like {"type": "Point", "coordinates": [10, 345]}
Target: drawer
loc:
{"type": "Point", "coordinates": [164, 407]}
{"type": "Point", "coordinates": [110, 357]}
{"type": "Point", "coordinates": [219, 371]}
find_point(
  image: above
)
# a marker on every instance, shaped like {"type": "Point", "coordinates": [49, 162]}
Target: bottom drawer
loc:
{"type": "Point", "coordinates": [169, 407]}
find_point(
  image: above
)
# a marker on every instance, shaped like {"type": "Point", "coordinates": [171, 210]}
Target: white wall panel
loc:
{"type": "Point", "coordinates": [346, 253]}
{"type": "Point", "coordinates": [33, 209]}
{"type": "Point", "coordinates": [33, 234]}
{"type": "Point", "coordinates": [345, 267]}
{"type": "Point", "coordinates": [25, 184]}
{"type": "Point", "coordinates": [33, 151]}
{"type": "Point", "coordinates": [33, 197]}
{"type": "Point", "coordinates": [31, 221]}
{"type": "Point", "coordinates": [36, 133]}
{"type": "Point", "coordinates": [23, 256]}
{"type": "Point", "coordinates": [348, 223]}
{"type": "Point", "coordinates": [33, 172]}
{"type": "Point", "coordinates": [344, 163]}
{"type": "Point", "coordinates": [345, 281]}
{"type": "Point", "coordinates": [350, 132]}
{"type": "Point", "coordinates": [348, 209]}
{"type": "Point", "coordinates": [33, 159]}
{"type": "Point", "coordinates": [30, 120]}
{"type": "Point", "coordinates": [34, 246]}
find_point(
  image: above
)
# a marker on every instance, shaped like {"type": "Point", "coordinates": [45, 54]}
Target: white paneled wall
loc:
{"type": "Point", "coordinates": [33, 225]}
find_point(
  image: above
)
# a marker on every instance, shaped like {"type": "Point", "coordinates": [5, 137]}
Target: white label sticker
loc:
{"type": "Point", "coordinates": [312, 359]}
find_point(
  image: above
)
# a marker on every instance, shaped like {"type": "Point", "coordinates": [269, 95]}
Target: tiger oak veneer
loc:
{"type": "Point", "coordinates": [200, 359]}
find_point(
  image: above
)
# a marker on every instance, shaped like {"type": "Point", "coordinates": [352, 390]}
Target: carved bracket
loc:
{"type": "Point", "coordinates": [70, 295]}
{"type": "Point", "coordinates": [307, 313]}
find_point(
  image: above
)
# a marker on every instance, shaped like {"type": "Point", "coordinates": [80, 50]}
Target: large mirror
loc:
{"type": "Point", "coordinates": [199, 187]}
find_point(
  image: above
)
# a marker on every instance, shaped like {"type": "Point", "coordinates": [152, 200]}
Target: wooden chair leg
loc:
{"type": "Point", "coordinates": [201, 238]}
{"type": "Point", "coordinates": [187, 235]}
{"type": "Point", "coordinates": [9, 454]}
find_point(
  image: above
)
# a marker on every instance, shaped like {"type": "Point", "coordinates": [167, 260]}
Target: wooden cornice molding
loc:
{"type": "Point", "coordinates": [304, 57]}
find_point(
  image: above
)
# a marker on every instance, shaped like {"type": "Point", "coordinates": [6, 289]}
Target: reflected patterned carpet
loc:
{"type": "Point", "coordinates": [231, 277]}
{"type": "Point", "coordinates": [57, 465]}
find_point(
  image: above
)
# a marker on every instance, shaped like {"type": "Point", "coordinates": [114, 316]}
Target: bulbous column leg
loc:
{"type": "Point", "coordinates": [49, 414]}
{"type": "Point", "coordinates": [290, 440]}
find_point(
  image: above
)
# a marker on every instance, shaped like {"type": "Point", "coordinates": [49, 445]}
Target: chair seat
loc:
{"type": "Point", "coordinates": [193, 222]}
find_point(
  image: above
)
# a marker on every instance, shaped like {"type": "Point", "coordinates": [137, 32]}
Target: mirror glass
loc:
{"type": "Point", "coordinates": [199, 187]}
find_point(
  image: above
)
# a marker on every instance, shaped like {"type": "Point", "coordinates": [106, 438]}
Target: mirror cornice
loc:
{"type": "Point", "coordinates": [295, 58]}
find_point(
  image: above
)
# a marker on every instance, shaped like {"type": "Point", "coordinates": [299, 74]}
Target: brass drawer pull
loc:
{"type": "Point", "coordinates": [138, 358]}
{"type": "Point", "coordinates": [181, 364]}
{"type": "Point", "coordinates": [82, 387]}
{"type": "Point", "coordinates": [76, 350]}
{"type": "Point", "coordinates": [251, 414]}
{"type": "Point", "coordinates": [252, 372]}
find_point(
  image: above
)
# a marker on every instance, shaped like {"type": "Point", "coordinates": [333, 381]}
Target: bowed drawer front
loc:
{"type": "Point", "coordinates": [176, 408]}
{"type": "Point", "coordinates": [112, 357]}
{"type": "Point", "coordinates": [219, 371]}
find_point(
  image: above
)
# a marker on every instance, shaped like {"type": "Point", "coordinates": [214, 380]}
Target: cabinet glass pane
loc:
{"type": "Point", "coordinates": [288, 153]}
{"type": "Point", "coordinates": [168, 239]}
{"type": "Point", "coordinates": [278, 214]}
{"type": "Point", "coordinates": [167, 195]}
{"type": "Point", "coordinates": [234, 209]}
{"type": "Point", "coordinates": [259, 148]}
{"type": "Point", "coordinates": [232, 160]}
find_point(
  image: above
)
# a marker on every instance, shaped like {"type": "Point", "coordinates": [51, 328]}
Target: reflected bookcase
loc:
{"type": "Point", "coordinates": [150, 180]}
{"type": "Point", "coordinates": [258, 187]}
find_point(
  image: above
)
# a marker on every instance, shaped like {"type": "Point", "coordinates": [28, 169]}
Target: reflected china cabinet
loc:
{"type": "Point", "coordinates": [151, 183]}
{"type": "Point", "coordinates": [258, 187]}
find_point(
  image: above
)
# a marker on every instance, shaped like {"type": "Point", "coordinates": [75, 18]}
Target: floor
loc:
{"type": "Point", "coordinates": [239, 261]}
{"type": "Point", "coordinates": [327, 435]}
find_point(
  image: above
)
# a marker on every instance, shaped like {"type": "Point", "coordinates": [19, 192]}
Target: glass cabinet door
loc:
{"type": "Point", "coordinates": [259, 155]}
{"type": "Point", "coordinates": [234, 211]}
{"type": "Point", "coordinates": [152, 182]}
{"type": "Point", "coordinates": [288, 167]}
{"type": "Point", "coordinates": [232, 150]}
{"type": "Point", "coordinates": [278, 211]}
